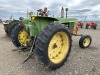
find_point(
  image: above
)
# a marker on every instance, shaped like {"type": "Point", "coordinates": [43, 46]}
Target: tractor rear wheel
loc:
{"type": "Point", "coordinates": [7, 33]}
{"type": "Point", "coordinates": [85, 41]}
{"type": "Point", "coordinates": [95, 26]}
{"type": "Point", "coordinates": [53, 45]}
{"type": "Point", "coordinates": [19, 36]}
{"type": "Point", "coordinates": [81, 25]}
{"type": "Point", "coordinates": [11, 28]}
{"type": "Point", "coordinates": [87, 26]}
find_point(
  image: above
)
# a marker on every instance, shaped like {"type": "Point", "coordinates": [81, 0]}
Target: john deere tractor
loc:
{"type": "Point", "coordinates": [50, 38]}
{"type": "Point", "coordinates": [9, 25]}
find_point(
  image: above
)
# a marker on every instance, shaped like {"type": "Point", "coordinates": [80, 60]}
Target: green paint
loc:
{"type": "Point", "coordinates": [25, 21]}
{"type": "Point", "coordinates": [71, 22]}
{"type": "Point", "coordinates": [36, 25]}
{"type": "Point", "coordinates": [42, 22]}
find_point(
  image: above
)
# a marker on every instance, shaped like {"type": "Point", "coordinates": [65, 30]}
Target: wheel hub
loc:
{"type": "Point", "coordinates": [55, 46]}
{"type": "Point", "coordinates": [58, 47]}
{"type": "Point", "coordinates": [23, 37]}
{"type": "Point", "coordinates": [86, 42]}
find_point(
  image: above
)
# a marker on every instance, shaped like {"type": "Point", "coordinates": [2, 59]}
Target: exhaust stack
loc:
{"type": "Point", "coordinates": [62, 12]}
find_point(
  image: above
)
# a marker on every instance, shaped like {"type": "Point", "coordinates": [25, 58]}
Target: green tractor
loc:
{"type": "Point", "coordinates": [9, 25]}
{"type": "Point", "coordinates": [50, 38]}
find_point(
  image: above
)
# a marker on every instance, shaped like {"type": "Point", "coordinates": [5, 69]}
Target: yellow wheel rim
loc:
{"type": "Point", "coordinates": [23, 37]}
{"type": "Point", "coordinates": [58, 47]}
{"type": "Point", "coordinates": [86, 42]}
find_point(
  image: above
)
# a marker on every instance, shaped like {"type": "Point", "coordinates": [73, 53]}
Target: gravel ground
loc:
{"type": "Point", "coordinates": [80, 61]}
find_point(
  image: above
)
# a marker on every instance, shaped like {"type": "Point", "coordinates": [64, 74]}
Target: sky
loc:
{"type": "Point", "coordinates": [80, 9]}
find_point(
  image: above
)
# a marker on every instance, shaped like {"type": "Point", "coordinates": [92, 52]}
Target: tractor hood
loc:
{"type": "Point", "coordinates": [40, 17]}
{"type": "Point", "coordinates": [66, 20]}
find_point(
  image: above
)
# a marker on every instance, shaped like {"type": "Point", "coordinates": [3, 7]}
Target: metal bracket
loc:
{"type": "Point", "coordinates": [31, 51]}
{"type": "Point", "coordinates": [77, 34]}
{"type": "Point", "coordinates": [24, 49]}
{"type": "Point", "coordinates": [21, 49]}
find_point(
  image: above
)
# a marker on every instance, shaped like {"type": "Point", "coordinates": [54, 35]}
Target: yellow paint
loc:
{"type": "Point", "coordinates": [86, 42]}
{"type": "Point", "coordinates": [32, 17]}
{"type": "Point", "coordinates": [58, 47]}
{"type": "Point", "coordinates": [23, 37]}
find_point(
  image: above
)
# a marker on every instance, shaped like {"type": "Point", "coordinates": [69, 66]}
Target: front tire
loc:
{"type": "Point", "coordinates": [85, 41]}
{"type": "Point", "coordinates": [53, 45]}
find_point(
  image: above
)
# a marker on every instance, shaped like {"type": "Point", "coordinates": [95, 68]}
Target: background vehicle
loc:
{"type": "Point", "coordinates": [80, 24]}
{"type": "Point", "coordinates": [91, 25]}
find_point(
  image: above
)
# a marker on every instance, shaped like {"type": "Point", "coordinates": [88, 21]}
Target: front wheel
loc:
{"type": "Point", "coordinates": [85, 41]}
{"type": "Point", "coordinates": [53, 45]}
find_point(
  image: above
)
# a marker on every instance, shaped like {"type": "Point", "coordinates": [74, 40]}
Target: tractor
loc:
{"type": "Point", "coordinates": [48, 37]}
{"type": "Point", "coordinates": [9, 25]}
{"type": "Point", "coordinates": [91, 25]}
{"type": "Point", "coordinates": [80, 24]}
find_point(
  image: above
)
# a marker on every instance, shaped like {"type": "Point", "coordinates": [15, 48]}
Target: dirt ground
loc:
{"type": "Point", "coordinates": [80, 61]}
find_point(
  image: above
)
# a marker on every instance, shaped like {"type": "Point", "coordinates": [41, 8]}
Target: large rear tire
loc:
{"type": "Point", "coordinates": [11, 25]}
{"type": "Point", "coordinates": [11, 28]}
{"type": "Point", "coordinates": [19, 36]}
{"type": "Point", "coordinates": [53, 45]}
{"type": "Point", "coordinates": [7, 33]}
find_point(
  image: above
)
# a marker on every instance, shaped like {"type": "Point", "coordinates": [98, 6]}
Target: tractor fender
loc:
{"type": "Point", "coordinates": [32, 29]}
